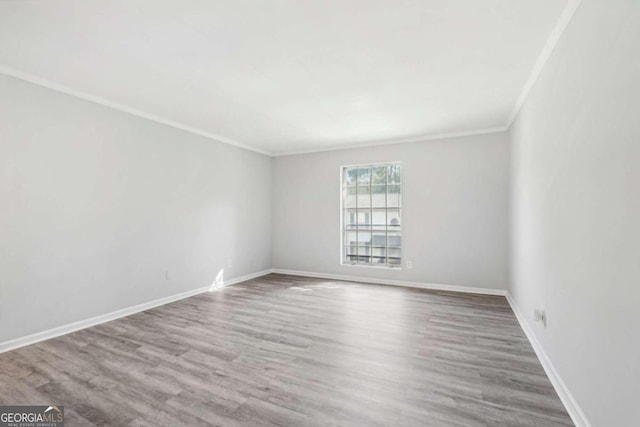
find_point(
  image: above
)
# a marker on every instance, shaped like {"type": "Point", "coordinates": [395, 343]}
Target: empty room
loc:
{"type": "Point", "coordinates": [319, 213]}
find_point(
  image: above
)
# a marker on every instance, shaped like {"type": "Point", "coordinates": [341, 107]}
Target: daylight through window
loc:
{"type": "Point", "coordinates": [371, 215]}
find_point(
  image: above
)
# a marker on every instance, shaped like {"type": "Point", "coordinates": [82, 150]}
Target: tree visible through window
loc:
{"type": "Point", "coordinates": [371, 215]}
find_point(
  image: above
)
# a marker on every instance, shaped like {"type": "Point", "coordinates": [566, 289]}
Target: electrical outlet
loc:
{"type": "Point", "coordinates": [539, 315]}
{"type": "Point", "coordinates": [166, 275]}
{"type": "Point", "coordinates": [409, 265]}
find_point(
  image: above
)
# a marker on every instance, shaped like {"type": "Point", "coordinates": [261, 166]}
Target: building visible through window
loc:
{"type": "Point", "coordinates": [371, 215]}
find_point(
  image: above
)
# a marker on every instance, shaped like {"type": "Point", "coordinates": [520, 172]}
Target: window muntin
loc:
{"type": "Point", "coordinates": [371, 215]}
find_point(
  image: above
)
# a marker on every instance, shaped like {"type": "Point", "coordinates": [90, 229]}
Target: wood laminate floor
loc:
{"type": "Point", "coordinates": [285, 350]}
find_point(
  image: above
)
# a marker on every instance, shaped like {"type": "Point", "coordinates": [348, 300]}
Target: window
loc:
{"type": "Point", "coordinates": [371, 215]}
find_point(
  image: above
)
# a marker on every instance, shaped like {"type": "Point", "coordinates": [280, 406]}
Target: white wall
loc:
{"type": "Point", "coordinates": [576, 209]}
{"type": "Point", "coordinates": [97, 204]}
{"type": "Point", "coordinates": [455, 198]}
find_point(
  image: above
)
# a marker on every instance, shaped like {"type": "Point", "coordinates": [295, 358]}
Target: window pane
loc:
{"type": "Point", "coordinates": [379, 175]}
{"type": "Point", "coordinates": [392, 252]}
{"type": "Point", "coordinates": [393, 176]}
{"type": "Point", "coordinates": [364, 197]}
{"type": "Point", "coordinates": [364, 238]}
{"type": "Point", "coordinates": [364, 251]}
{"type": "Point", "coordinates": [349, 219]}
{"type": "Point", "coordinates": [379, 228]}
{"type": "Point", "coordinates": [378, 189]}
{"type": "Point", "coordinates": [371, 200]}
{"type": "Point", "coordinates": [350, 176]}
{"type": "Point", "coordinates": [393, 189]}
{"type": "Point", "coordinates": [350, 250]}
{"type": "Point", "coordinates": [364, 175]}
{"type": "Point", "coordinates": [393, 219]}
{"type": "Point", "coordinates": [350, 238]}
{"type": "Point", "coordinates": [379, 252]}
{"type": "Point", "coordinates": [350, 253]}
{"type": "Point", "coordinates": [379, 239]}
{"type": "Point", "coordinates": [393, 240]}
{"type": "Point", "coordinates": [364, 259]}
{"type": "Point", "coordinates": [349, 195]}
{"type": "Point", "coordinates": [364, 254]}
{"type": "Point", "coordinates": [378, 196]}
{"type": "Point", "coordinates": [393, 196]}
{"type": "Point", "coordinates": [379, 219]}
{"type": "Point", "coordinates": [393, 261]}
{"type": "Point", "coordinates": [364, 189]}
{"type": "Point", "coordinates": [364, 219]}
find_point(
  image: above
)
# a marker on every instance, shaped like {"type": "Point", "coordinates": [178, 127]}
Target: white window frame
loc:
{"type": "Point", "coordinates": [342, 213]}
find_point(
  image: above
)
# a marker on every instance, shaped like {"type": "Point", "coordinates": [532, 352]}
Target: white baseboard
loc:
{"type": "Point", "coordinates": [570, 403]}
{"type": "Point", "coordinates": [574, 410]}
{"type": "Point", "coordinates": [247, 277]}
{"type": "Point", "coordinates": [103, 318]}
{"type": "Point", "coordinates": [432, 286]}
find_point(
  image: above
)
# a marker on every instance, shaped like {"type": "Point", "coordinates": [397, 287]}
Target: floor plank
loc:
{"type": "Point", "coordinates": [285, 350]}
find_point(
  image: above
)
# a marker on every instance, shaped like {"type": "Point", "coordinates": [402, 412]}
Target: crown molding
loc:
{"type": "Point", "coordinates": [30, 78]}
{"type": "Point", "coordinates": [39, 81]}
{"type": "Point", "coordinates": [552, 40]}
{"type": "Point", "coordinates": [547, 50]}
{"type": "Point", "coordinates": [421, 138]}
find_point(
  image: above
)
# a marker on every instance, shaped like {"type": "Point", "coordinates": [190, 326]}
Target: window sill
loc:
{"type": "Point", "coordinates": [382, 267]}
